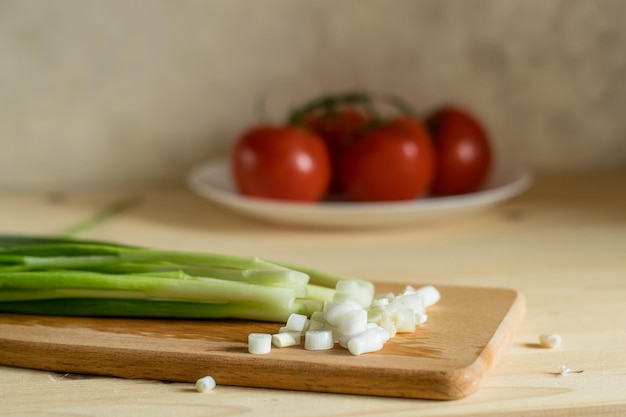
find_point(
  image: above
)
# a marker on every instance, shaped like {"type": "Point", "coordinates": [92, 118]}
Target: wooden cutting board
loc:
{"type": "Point", "coordinates": [448, 357]}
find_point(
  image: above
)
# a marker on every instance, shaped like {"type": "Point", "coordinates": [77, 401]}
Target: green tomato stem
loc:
{"type": "Point", "coordinates": [329, 103]}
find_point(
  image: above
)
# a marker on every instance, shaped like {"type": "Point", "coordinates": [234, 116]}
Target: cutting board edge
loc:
{"type": "Point", "coordinates": [467, 380]}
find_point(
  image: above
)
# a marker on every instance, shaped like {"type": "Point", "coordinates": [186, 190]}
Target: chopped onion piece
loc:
{"type": "Point", "coordinates": [390, 326]}
{"type": "Point", "coordinates": [564, 370]}
{"type": "Point", "coordinates": [380, 302]}
{"type": "Point", "coordinates": [297, 322]}
{"type": "Point", "coordinates": [285, 339]}
{"type": "Point", "coordinates": [293, 332]}
{"type": "Point", "coordinates": [205, 384]}
{"type": "Point", "coordinates": [408, 290]}
{"type": "Point", "coordinates": [369, 341]}
{"type": "Point", "coordinates": [353, 322]}
{"type": "Point", "coordinates": [404, 320]}
{"type": "Point", "coordinates": [318, 316]}
{"type": "Point", "coordinates": [551, 341]}
{"type": "Point", "coordinates": [430, 295]}
{"type": "Point", "coordinates": [316, 325]}
{"type": "Point", "coordinates": [388, 296]}
{"type": "Point", "coordinates": [343, 340]}
{"type": "Point", "coordinates": [334, 310]}
{"type": "Point", "coordinates": [259, 343]}
{"type": "Point", "coordinates": [413, 301]}
{"type": "Point", "coordinates": [355, 290]}
{"type": "Point", "coordinates": [318, 340]}
{"type": "Point", "coordinates": [421, 318]}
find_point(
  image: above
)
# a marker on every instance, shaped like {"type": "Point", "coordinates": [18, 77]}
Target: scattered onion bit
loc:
{"type": "Point", "coordinates": [551, 341]}
{"type": "Point", "coordinates": [564, 370]}
{"type": "Point", "coordinates": [205, 384]}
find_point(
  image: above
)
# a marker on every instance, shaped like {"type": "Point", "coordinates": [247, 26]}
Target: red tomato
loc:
{"type": "Point", "coordinates": [281, 162]}
{"type": "Point", "coordinates": [462, 149]}
{"type": "Point", "coordinates": [392, 162]}
{"type": "Point", "coordinates": [338, 128]}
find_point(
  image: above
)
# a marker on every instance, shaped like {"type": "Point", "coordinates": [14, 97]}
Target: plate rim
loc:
{"type": "Point", "coordinates": [518, 180]}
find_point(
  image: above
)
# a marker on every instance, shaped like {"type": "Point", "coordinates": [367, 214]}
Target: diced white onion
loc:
{"type": "Point", "coordinates": [369, 341]}
{"type": "Point", "coordinates": [318, 340]}
{"type": "Point", "coordinates": [205, 384]}
{"type": "Point", "coordinates": [259, 343]}
{"type": "Point", "coordinates": [380, 302]}
{"type": "Point", "coordinates": [389, 325]}
{"type": "Point", "coordinates": [551, 341]}
{"type": "Point", "coordinates": [334, 310]}
{"type": "Point", "coordinates": [355, 290]}
{"type": "Point", "coordinates": [285, 339]}
{"type": "Point", "coordinates": [297, 322]}
{"type": "Point", "coordinates": [318, 316]}
{"type": "Point", "coordinates": [343, 340]}
{"type": "Point", "coordinates": [430, 295]}
{"type": "Point", "coordinates": [421, 318]}
{"type": "Point", "coordinates": [316, 325]}
{"type": "Point", "coordinates": [353, 322]}
{"type": "Point", "coordinates": [408, 290]}
{"type": "Point", "coordinates": [413, 301]}
{"type": "Point", "coordinates": [404, 319]}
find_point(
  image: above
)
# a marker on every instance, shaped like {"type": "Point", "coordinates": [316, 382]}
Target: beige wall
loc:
{"type": "Point", "coordinates": [137, 91]}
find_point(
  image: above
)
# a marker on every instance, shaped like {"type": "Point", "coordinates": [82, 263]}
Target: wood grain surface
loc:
{"type": "Point", "coordinates": [561, 245]}
{"type": "Point", "coordinates": [448, 357]}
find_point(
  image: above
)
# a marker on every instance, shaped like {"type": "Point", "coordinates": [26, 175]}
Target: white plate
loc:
{"type": "Point", "coordinates": [213, 181]}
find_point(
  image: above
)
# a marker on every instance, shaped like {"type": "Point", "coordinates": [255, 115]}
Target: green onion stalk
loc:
{"type": "Point", "coordinates": [71, 277]}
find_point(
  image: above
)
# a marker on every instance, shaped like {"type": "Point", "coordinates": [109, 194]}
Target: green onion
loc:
{"type": "Point", "coordinates": [112, 307]}
{"type": "Point", "coordinates": [62, 276]}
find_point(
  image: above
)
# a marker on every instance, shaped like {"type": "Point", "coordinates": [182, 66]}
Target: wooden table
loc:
{"type": "Point", "coordinates": [562, 244]}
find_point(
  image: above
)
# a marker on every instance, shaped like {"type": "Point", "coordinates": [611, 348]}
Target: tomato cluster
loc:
{"type": "Point", "coordinates": [341, 146]}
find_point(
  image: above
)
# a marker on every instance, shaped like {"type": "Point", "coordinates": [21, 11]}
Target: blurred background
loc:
{"type": "Point", "coordinates": [110, 93]}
